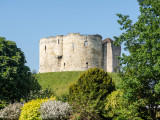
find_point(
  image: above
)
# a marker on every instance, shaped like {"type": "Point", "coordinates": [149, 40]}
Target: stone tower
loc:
{"type": "Point", "coordinates": [76, 52]}
{"type": "Point", "coordinates": [110, 52]}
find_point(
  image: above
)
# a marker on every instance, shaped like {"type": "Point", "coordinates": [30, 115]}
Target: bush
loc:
{"type": "Point", "coordinates": [93, 85]}
{"type": "Point", "coordinates": [30, 110]}
{"type": "Point", "coordinates": [62, 97]}
{"type": "Point", "coordinates": [84, 111]}
{"type": "Point", "coordinates": [114, 103]}
{"type": "Point", "coordinates": [11, 112]}
{"type": "Point", "coordinates": [40, 94]}
{"type": "Point", "coordinates": [3, 103]}
{"type": "Point", "coordinates": [118, 108]}
{"type": "Point", "coordinates": [54, 110]}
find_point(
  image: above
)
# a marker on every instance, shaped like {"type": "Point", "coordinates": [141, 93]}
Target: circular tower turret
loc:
{"type": "Point", "coordinates": [81, 52]}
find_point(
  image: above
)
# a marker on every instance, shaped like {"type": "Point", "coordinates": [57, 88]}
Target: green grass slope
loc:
{"type": "Point", "coordinates": [60, 81]}
{"type": "Point", "coordinates": [115, 77]}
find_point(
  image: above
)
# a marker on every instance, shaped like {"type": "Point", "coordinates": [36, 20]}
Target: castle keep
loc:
{"type": "Point", "coordinates": [76, 52]}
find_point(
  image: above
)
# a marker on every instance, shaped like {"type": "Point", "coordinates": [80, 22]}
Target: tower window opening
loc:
{"type": "Point", "coordinates": [58, 41]}
{"type": "Point", "coordinates": [45, 48]}
{"type": "Point", "coordinates": [64, 64]}
{"type": "Point", "coordinates": [87, 64]}
{"type": "Point", "coordinates": [85, 43]}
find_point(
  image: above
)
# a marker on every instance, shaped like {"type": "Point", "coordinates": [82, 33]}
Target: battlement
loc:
{"type": "Point", "coordinates": [77, 52]}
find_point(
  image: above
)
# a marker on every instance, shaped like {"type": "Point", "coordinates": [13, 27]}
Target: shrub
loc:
{"type": "Point", "coordinates": [93, 85]}
{"type": "Point", "coordinates": [114, 103]}
{"type": "Point", "coordinates": [30, 110]}
{"type": "Point", "coordinates": [54, 110]}
{"type": "Point", "coordinates": [84, 111]}
{"type": "Point", "coordinates": [3, 103]}
{"type": "Point", "coordinates": [118, 107]}
{"type": "Point", "coordinates": [11, 112]}
{"type": "Point", "coordinates": [40, 94]}
{"type": "Point", "coordinates": [62, 97]}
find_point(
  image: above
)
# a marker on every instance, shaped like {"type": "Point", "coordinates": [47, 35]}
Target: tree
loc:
{"type": "Point", "coordinates": [15, 77]}
{"type": "Point", "coordinates": [141, 68]}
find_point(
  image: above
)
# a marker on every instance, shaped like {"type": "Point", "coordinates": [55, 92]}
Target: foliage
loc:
{"type": "Point", "coordinates": [116, 79]}
{"type": "Point", "coordinates": [114, 103]}
{"type": "Point", "coordinates": [157, 88]}
{"type": "Point", "coordinates": [3, 103]}
{"type": "Point", "coordinates": [36, 90]}
{"type": "Point", "coordinates": [54, 110]}
{"type": "Point", "coordinates": [93, 85]}
{"type": "Point", "coordinates": [134, 111]}
{"type": "Point", "coordinates": [58, 81]}
{"type": "Point", "coordinates": [84, 111]}
{"type": "Point", "coordinates": [62, 98]}
{"type": "Point", "coordinates": [141, 68]}
{"type": "Point", "coordinates": [30, 110]}
{"type": "Point", "coordinates": [40, 94]}
{"type": "Point", "coordinates": [16, 80]}
{"type": "Point", "coordinates": [118, 107]}
{"type": "Point", "coordinates": [11, 112]}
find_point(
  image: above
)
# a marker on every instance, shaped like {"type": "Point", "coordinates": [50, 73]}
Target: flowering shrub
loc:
{"type": "Point", "coordinates": [11, 112]}
{"type": "Point", "coordinates": [54, 110]}
{"type": "Point", "coordinates": [30, 110]}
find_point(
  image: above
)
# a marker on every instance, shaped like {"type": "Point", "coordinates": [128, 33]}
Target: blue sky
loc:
{"type": "Point", "coordinates": [26, 21]}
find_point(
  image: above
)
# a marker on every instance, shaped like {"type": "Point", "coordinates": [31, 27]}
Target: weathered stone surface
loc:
{"type": "Point", "coordinates": [76, 52]}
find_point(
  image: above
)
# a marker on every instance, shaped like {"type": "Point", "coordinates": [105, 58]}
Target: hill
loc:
{"type": "Point", "coordinates": [59, 81]}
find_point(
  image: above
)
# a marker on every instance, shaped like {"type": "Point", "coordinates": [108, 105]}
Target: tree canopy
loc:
{"type": "Point", "coordinates": [141, 68]}
{"type": "Point", "coordinates": [15, 76]}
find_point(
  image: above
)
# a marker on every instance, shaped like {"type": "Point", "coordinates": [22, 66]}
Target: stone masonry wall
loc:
{"type": "Point", "coordinates": [76, 52]}
{"type": "Point", "coordinates": [73, 52]}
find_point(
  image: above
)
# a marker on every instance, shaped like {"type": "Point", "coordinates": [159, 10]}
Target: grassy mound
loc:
{"type": "Point", "coordinates": [60, 81]}
{"type": "Point", "coordinates": [115, 77]}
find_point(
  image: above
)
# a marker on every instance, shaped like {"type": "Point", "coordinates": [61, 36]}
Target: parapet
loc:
{"type": "Point", "coordinates": [90, 35]}
{"type": "Point", "coordinates": [96, 35]}
{"type": "Point", "coordinates": [70, 34]}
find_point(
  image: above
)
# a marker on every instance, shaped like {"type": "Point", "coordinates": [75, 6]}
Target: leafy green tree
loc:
{"type": "Point", "coordinates": [16, 80]}
{"type": "Point", "coordinates": [141, 68]}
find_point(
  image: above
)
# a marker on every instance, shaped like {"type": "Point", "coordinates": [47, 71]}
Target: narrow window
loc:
{"type": "Point", "coordinates": [45, 48]}
{"type": "Point", "coordinates": [64, 65]}
{"type": "Point", "coordinates": [73, 45]}
{"type": "Point", "coordinates": [87, 65]}
{"type": "Point", "coordinates": [58, 41]}
{"type": "Point", "coordinates": [85, 43]}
